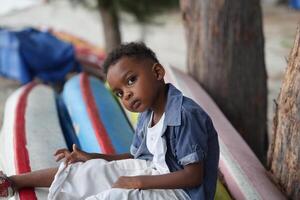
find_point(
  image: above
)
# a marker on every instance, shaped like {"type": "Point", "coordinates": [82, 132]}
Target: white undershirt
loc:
{"type": "Point", "coordinates": [156, 144]}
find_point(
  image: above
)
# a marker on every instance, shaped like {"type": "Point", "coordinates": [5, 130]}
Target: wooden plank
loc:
{"type": "Point", "coordinates": [244, 175]}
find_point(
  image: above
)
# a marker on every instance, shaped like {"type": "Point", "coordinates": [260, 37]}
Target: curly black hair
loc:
{"type": "Point", "coordinates": [133, 49]}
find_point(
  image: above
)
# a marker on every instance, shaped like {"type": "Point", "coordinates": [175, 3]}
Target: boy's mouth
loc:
{"type": "Point", "coordinates": [135, 104]}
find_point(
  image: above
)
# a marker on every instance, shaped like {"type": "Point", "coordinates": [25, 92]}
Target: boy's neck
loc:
{"type": "Point", "coordinates": [159, 107]}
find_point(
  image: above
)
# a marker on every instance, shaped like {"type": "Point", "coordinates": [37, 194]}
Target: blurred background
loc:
{"type": "Point", "coordinates": [164, 34]}
{"type": "Point", "coordinates": [159, 25]}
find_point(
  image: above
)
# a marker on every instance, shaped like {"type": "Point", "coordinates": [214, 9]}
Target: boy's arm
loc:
{"type": "Point", "coordinates": [78, 155]}
{"type": "Point", "coordinates": [190, 176]}
{"type": "Point", "coordinates": [110, 157]}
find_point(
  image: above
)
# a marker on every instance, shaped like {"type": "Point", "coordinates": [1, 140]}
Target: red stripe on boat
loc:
{"type": "Point", "coordinates": [99, 129]}
{"type": "Point", "coordinates": [21, 153]}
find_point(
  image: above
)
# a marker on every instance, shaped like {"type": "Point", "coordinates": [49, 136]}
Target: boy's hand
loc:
{"type": "Point", "coordinates": [127, 182]}
{"type": "Point", "coordinates": [71, 157]}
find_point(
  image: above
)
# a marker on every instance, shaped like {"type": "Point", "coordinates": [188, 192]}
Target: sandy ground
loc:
{"type": "Point", "coordinates": [165, 37]}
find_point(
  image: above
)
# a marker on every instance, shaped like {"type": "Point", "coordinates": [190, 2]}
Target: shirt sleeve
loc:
{"type": "Point", "coordinates": [192, 138]}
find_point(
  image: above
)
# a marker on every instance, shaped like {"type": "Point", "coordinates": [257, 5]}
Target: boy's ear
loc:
{"type": "Point", "coordinates": [158, 71]}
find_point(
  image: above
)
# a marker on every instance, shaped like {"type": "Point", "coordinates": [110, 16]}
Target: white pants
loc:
{"type": "Point", "coordinates": [92, 180]}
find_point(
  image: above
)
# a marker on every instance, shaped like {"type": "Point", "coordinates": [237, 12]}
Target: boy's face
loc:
{"type": "Point", "coordinates": [136, 82]}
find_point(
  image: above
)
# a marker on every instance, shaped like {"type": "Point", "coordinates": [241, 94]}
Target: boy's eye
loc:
{"type": "Point", "coordinates": [131, 80]}
{"type": "Point", "coordinates": [119, 94]}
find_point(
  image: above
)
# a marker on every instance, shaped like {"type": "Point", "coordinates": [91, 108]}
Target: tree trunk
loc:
{"type": "Point", "coordinates": [225, 47]}
{"type": "Point", "coordinates": [284, 151]}
{"type": "Point", "coordinates": [110, 20]}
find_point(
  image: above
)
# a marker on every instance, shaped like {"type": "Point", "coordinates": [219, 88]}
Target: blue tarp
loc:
{"type": "Point", "coordinates": [295, 4]}
{"type": "Point", "coordinates": [32, 53]}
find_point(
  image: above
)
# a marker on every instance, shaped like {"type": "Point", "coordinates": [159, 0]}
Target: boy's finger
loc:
{"type": "Point", "coordinates": [59, 157]}
{"type": "Point", "coordinates": [70, 162]}
{"type": "Point", "coordinates": [67, 161]}
{"type": "Point", "coordinates": [74, 147]}
{"type": "Point", "coordinates": [59, 151]}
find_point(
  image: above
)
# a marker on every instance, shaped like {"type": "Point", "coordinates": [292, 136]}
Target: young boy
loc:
{"type": "Point", "coordinates": [174, 153]}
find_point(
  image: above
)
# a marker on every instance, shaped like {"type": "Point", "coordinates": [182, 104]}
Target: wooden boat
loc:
{"type": "Point", "coordinates": [31, 133]}
{"type": "Point", "coordinates": [99, 122]}
{"type": "Point", "coordinates": [90, 56]}
{"type": "Point", "coordinates": [243, 174]}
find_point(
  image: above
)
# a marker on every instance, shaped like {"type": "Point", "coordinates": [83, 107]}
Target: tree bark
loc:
{"type": "Point", "coordinates": [225, 47]}
{"type": "Point", "coordinates": [110, 20]}
{"type": "Point", "coordinates": [284, 150]}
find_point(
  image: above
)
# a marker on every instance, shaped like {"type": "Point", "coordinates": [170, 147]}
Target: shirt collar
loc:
{"type": "Point", "coordinates": [173, 106]}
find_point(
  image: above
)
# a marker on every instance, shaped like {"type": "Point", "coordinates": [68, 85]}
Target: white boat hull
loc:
{"type": "Point", "coordinates": [30, 135]}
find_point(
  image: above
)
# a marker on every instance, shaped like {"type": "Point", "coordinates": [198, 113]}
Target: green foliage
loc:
{"type": "Point", "coordinates": [142, 10]}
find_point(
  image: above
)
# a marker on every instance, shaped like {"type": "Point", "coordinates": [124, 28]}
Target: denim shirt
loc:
{"type": "Point", "coordinates": [190, 137]}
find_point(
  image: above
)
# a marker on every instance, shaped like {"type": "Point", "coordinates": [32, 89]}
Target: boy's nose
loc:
{"type": "Point", "coordinates": [128, 95]}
